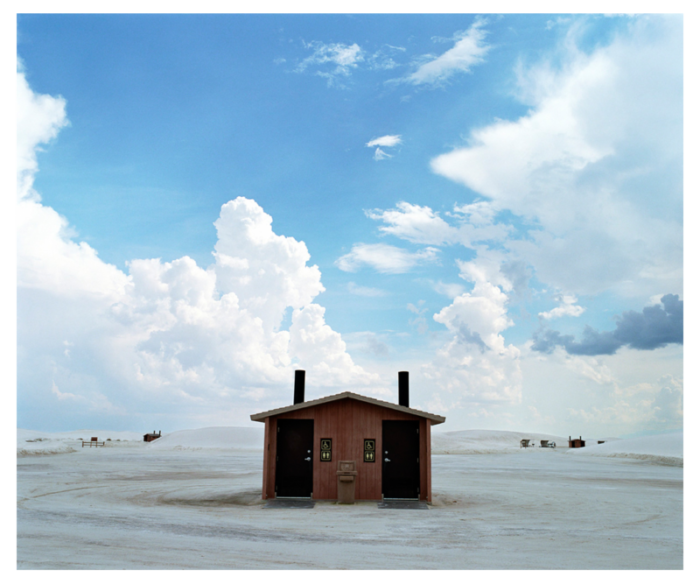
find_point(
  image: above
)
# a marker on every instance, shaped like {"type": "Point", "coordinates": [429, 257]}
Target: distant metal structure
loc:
{"type": "Point", "coordinates": [547, 444]}
{"type": "Point", "coordinates": [151, 437]}
{"type": "Point", "coordinates": [576, 442]}
{"type": "Point", "coordinates": [524, 443]}
{"type": "Point", "coordinates": [93, 442]}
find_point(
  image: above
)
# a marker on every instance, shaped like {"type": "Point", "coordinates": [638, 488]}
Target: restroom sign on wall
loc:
{"type": "Point", "coordinates": [370, 450]}
{"type": "Point", "coordinates": [326, 449]}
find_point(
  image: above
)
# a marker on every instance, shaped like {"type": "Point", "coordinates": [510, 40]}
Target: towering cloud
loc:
{"type": "Point", "coordinates": [40, 118]}
{"type": "Point", "coordinates": [476, 365]}
{"type": "Point", "coordinates": [597, 121]}
{"type": "Point", "coordinates": [94, 342]}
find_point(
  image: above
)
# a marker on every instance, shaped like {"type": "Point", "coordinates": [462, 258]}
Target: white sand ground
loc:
{"type": "Point", "coordinates": [192, 500]}
{"type": "Point", "coordinates": [226, 438]}
{"type": "Point", "coordinates": [662, 449]}
{"type": "Point", "coordinates": [42, 443]}
{"type": "Point", "coordinates": [487, 441]}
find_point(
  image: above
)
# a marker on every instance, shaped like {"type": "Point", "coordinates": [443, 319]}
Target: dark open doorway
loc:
{"type": "Point", "coordinates": [400, 456]}
{"type": "Point", "coordinates": [294, 473]}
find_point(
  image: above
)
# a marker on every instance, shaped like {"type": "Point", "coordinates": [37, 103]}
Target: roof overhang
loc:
{"type": "Point", "coordinates": [434, 418]}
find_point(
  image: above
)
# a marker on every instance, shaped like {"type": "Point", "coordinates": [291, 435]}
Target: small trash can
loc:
{"type": "Point", "coordinates": [346, 482]}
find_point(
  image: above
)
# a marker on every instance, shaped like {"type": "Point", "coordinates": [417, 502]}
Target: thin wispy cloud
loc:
{"type": "Point", "coordinates": [413, 223]}
{"type": "Point", "coordinates": [450, 290]}
{"type": "Point", "coordinates": [387, 141]}
{"type": "Point", "coordinates": [368, 343]}
{"type": "Point", "coordinates": [469, 50]}
{"type": "Point", "coordinates": [379, 154]}
{"type": "Point", "coordinates": [383, 59]}
{"type": "Point", "coordinates": [332, 60]}
{"type": "Point", "coordinates": [419, 224]}
{"type": "Point", "coordinates": [60, 395]}
{"type": "Point", "coordinates": [365, 291]}
{"type": "Point", "coordinates": [384, 258]}
{"type": "Point", "coordinates": [419, 322]}
{"type": "Point", "coordinates": [335, 61]}
{"type": "Point", "coordinates": [384, 142]}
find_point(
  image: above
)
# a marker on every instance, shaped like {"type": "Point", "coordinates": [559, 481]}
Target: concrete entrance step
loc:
{"type": "Point", "coordinates": [289, 504]}
{"type": "Point", "coordinates": [402, 505]}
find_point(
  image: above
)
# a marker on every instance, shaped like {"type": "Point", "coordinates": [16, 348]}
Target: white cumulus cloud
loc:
{"type": "Point", "coordinates": [46, 256]}
{"type": "Point", "coordinates": [567, 307]}
{"type": "Point", "coordinates": [419, 224]}
{"type": "Point", "coordinates": [40, 117]}
{"type": "Point", "coordinates": [167, 338]}
{"type": "Point", "coordinates": [476, 365]}
{"type": "Point", "coordinates": [595, 162]}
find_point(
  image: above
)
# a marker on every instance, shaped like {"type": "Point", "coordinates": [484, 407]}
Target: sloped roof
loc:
{"type": "Point", "coordinates": [434, 418]}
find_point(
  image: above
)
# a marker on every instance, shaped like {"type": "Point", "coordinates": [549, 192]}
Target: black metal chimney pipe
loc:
{"type": "Point", "coordinates": [299, 378]}
{"type": "Point", "coordinates": [403, 388]}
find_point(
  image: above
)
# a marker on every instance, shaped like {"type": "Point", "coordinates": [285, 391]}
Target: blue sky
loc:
{"type": "Point", "coordinates": [491, 202]}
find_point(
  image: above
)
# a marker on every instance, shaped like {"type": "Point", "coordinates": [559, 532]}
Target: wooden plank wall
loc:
{"type": "Point", "coordinates": [266, 447]}
{"type": "Point", "coordinates": [425, 439]}
{"type": "Point", "coordinates": [270, 458]}
{"type": "Point", "coordinates": [348, 423]}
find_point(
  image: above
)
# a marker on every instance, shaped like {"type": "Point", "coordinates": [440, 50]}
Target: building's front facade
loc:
{"type": "Point", "coordinates": [389, 443]}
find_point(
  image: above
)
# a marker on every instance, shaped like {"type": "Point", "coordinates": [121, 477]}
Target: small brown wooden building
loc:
{"type": "Point", "coordinates": [577, 442]}
{"type": "Point", "coordinates": [390, 444]}
{"type": "Point", "coordinates": [151, 437]}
